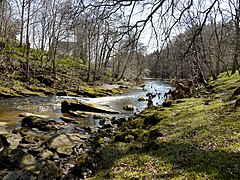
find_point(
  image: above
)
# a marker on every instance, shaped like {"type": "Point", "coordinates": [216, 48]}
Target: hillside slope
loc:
{"type": "Point", "coordinates": [195, 138]}
{"type": "Point", "coordinates": [69, 77]}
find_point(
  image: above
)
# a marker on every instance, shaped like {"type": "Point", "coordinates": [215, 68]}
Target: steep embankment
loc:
{"type": "Point", "coordinates": [195, 138]}
{"type": "Point", "coordinates": [67, 80]}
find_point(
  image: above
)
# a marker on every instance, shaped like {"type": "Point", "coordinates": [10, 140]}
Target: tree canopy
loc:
{"type": "Point", "coordinates": [181, 39]}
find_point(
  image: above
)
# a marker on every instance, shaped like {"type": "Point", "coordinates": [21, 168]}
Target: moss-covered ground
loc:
{"type": "Point", "coordinates": [195, 138]}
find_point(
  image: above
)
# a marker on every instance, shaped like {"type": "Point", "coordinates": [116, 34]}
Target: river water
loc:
{"type": "Point", "coordinates": [11, 108]}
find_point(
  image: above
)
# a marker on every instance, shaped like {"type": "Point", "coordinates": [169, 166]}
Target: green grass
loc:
{"type": "Point", "coordinates": [194, 140]}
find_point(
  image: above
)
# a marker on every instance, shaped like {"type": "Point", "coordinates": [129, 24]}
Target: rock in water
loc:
{"type": "Point", "coordinates": [142, 99]}
{"type": "Point", "coordinates": [42, 123]}
{"type": "Point", "coordinates": [82, 106]}
{"type": "Point", "coordinates": [31, 114]}
{"type": "Point", "coordinates": [129, 107]}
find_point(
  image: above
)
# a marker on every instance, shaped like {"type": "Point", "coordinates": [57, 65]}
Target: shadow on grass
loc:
{"type": "Point", "coordinates": [185, 158]}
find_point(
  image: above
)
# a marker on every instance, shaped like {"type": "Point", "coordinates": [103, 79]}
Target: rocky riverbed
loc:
{"type": "Point", "coordinates": [42, 148]}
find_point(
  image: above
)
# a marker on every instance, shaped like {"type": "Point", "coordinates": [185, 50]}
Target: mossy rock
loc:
{"type": "Point", "coordinates": [70, 93]}
{"type": "Point", "coordinates": [94, 91]}
{"type": "Point", "coordinates": [154, 119]}
{"type": "Point", "coordinates": [7, 92]}
{"type": "Point", "coordinates": [26, 92]}
{"type": "Point", "coordinates": [47, 91]}
{"type": "Point", "coordinates": [167, 103]}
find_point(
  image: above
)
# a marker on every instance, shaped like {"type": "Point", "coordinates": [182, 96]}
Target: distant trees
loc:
{"type": "Point", "coordinates": [234, 7]}
{"type": "Point", "coordinates": [187, 38]}
{"type": "Point", "coordinates": [205, 45]}
{"type": "Point", "coordinates": [8, 27]}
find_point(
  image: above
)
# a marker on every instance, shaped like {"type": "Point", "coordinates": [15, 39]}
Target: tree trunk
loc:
{"type": "Point", "coordinates": [27, 41]}
{"type": "Point", "coordinates": [89, 59]}
{"type": "Point", "coordinates": [22, 24]}
{"type": "Point", "coordinates": [125, 67]}
{"type": "Point", "coordinates": [235, 65]}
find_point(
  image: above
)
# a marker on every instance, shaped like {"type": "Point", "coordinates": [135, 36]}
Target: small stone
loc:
{"type": "Point", "coordinates": [142, 99]}
{"type": "Point", "coordinates": [46, 154]}
{"type": "Point", "coordinates": [129, 107]}
{"type": "Point", "coordinates": [50, 171]}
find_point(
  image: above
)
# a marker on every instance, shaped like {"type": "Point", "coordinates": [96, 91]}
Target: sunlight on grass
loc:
{"type": "Point", "coordinates": [197, 138]}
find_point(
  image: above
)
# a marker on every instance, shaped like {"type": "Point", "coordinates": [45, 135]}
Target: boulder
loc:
{"type": "Point", "coordinates": [86, 114]}
{"type": "Point", "coordinates": [66, 139]}
{"type": "Point", "coordinates": [34, 140]}
{"type": "Point", "coordinates": [154, 119]}
{"type": "Point", "coordinates": [106, 123]}
{"type": "Point", "coordinates": [118, 121]}
{"type": "Point", "coordinates": [42, 123]}
{"type": "Point", "coordinates": [10, 140]}
{"type": "Point", "coordinates": [17, 158]}
{"type": "Point", "coordinates": [83, 106]}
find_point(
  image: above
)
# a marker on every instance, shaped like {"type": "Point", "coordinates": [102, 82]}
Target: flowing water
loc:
{"type": "Point", "coordinates": [11, 108]}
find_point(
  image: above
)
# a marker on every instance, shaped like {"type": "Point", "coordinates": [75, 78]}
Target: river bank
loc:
{"type": "Point", "coordinates": [64, 144]}
{"type": "Point", "coordinates": [193, 138]}
{"type": "Point", "coordinates": [189, 138]}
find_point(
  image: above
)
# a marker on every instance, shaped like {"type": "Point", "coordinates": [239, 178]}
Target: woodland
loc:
{"type": "Point", "coordinates": [71, 48]}
{"type": "Point", "coordinates": [98, 40]}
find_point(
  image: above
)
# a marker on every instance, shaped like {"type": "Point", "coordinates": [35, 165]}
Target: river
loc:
{"type": "Point", "coordinates": [11, 108]}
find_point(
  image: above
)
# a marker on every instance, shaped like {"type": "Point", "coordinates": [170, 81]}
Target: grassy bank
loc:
{"type": "Point", "coordinates": [195, 138]}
